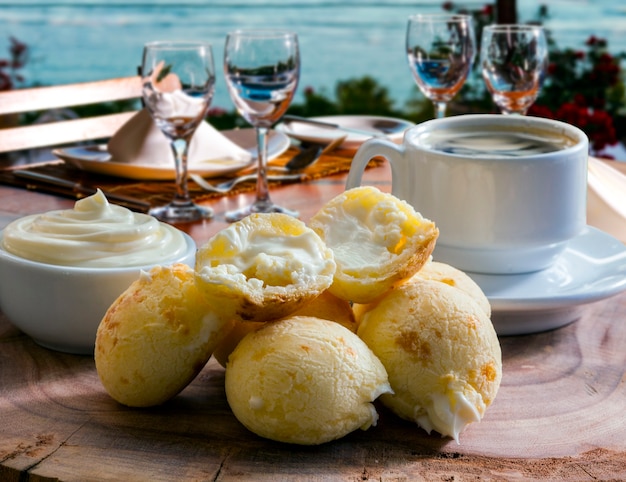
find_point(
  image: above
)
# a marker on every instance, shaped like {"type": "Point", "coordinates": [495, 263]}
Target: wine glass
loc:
{"type": "Point", "coordinates": [440, 50]}
{"type": "Point", "coordinates": [514, 60]}
{"type": "Point", "coordinates": [178, 80]}
{"type": "Point", "coordinates": [262, 69]}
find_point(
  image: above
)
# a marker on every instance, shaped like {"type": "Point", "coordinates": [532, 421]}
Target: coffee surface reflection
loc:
{"type": "Point", "coordinates": [490, 144]}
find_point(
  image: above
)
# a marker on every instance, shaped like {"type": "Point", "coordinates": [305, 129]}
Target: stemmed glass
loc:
{"type": "Point", "coordinates": [514, 60]}
{"type": "Point", "coordinates": [440, 50]}
{"type": "Point", "coordinates": [262, 69]}
{"type": "Point", "coordinates": [178, 80]}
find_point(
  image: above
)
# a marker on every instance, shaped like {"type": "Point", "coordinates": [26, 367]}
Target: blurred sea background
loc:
{"type": "Point", "coordinates": [83, 40]}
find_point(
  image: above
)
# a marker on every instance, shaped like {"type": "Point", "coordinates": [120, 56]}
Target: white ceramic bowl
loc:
{"type": "Point", "coordinates": [61, 307]}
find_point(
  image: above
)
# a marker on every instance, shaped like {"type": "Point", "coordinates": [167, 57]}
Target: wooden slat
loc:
{"type": "Point", "coordinates": [620, 166]}
{"type": "Point", "coordinates": [58, 133]}
{"type": "Point", "coordinates": [42, 98]}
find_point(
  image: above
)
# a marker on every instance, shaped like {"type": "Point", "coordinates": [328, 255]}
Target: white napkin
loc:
{"type": "Point", "coordinates": [606, 198]}
{"type": "Point", "coordinates": [140, 141]}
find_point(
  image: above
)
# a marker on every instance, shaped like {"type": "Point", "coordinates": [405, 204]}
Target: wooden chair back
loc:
{"type": "Point", "coordinates": [38, 135]}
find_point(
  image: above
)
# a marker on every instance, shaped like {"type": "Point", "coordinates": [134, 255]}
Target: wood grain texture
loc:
{"type": "Point", "coordinates": [41, 99]}
{"type": "Point", "coordinates": [65, 132]}
{"type": "Point", "coordinates": [559, 412]}
{"type": "Point", "coordinates": [70, 95]}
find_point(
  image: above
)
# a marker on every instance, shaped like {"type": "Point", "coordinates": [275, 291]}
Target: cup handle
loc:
{"type": "Point", "coordinates": [371, 148]}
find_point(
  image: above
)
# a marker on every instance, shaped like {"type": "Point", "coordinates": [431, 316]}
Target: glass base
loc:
{"type": "Point", "coordinates": [258, 207]}
{"type": "Point", "coordinates": [181, 213]}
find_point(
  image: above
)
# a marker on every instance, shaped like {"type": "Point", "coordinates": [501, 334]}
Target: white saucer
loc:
{"type": "Point", "coordinates": [394, 128]}
{"type": "Point", "coordinates": [97, 160]}
{"type": "Point", "coordinates": [592, 268]}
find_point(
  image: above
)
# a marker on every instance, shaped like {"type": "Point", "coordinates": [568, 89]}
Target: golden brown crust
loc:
{"type": "Point", "coordinates": [378, 241]}
{"type": "Point", "coordinates": [232, 339]}
{"type": "Point", "coordinates": [156, 337]}
{"type": "Point", "coordinates": [452, 276]}
{"type": "Point", "coordinates": [441, 353]}
{"type": "Point", "coordinates": [264, 267]}
{"type": "Point", "coordinates": [326, 306]}
{"type": "Point", "coordinates": [304, 380]}
{"type": "Point", "coordinates": [329, 307]}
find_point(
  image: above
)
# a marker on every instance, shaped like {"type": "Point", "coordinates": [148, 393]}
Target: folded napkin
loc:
{"type": "Point", "coordinates": [140, 141]}
{"type": "Point", "coordinates": [606, 198]}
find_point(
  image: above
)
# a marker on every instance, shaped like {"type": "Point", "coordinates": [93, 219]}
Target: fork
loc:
{"type": "Point", "coordinates": [226, 186]}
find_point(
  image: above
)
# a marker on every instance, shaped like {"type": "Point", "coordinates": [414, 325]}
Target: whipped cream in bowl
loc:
{"type": "Point", "coordinates": [61, 270]}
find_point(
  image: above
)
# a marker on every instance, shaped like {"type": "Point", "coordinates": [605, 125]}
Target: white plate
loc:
{"type": "Point", "coordinates": [592, 268]}
{"type": "Point", "coordinates": [97, 160]}
{"type": "Point", "coordinates": [394, 128]}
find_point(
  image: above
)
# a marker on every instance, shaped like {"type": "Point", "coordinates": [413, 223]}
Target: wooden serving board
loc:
{"type": "Point", "coordinates": [559, 415]}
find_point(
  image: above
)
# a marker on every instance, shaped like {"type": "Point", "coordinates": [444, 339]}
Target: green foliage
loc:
{"type": "Point", "coordinates": [315, 104]}
{"type": "Point", "coordinates": [364, 95]}
{"type": "Point", "coordinates": [351, 97]}
{"type": "Point", "coordinates": [583, 87]}
{"type": "Point", "coordinates": [354, 96]}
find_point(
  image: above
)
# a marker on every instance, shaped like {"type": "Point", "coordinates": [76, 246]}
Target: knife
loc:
{"type": "Point", "coordinates": [81, 191]}
{"type": "Point", "coordinates": [329, 125]}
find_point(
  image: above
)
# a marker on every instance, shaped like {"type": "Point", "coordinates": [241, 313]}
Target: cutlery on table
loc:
{"type": "Point", "coordinates": [79, 190]}
{"type": "Point", "coordinates": [311, 153]}
{"type": "Point", "coordinates": [306, 157]}
{"type": "Point", "coordinates": [381, 128]}
{"type": "Point", "coordinates": [226, 186]}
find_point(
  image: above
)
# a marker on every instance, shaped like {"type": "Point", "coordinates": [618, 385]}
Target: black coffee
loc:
{"type": "Point", "coordinates": [493, 144]}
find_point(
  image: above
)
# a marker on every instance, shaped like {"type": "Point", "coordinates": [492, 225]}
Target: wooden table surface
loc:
{"type": "Point", "coordinates": [560, 413]}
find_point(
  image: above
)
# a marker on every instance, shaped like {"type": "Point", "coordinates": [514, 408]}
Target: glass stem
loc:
{"type": "Point", "coordinates": [262, 188]}
{"type": "Point", "coordinates": [440, 109]}
{"type": "Point", "coordinates": [514, 112]}
{"type": "Point", "coordinates": [180, 147]}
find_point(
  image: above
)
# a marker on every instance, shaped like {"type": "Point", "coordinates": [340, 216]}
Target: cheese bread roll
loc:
{"type": "Point", "coordinates": [264, 267]}
{"type": "Point", "coordinates": [239, 330]}
{"type": "Point", "coordinates": [329, 307]}
{"type": "Point", "coordinates": [156, 337]}
{"type": "Point", "coordinates": [304, 380]}
{"type": "Point", "coordinates": [452, 276]}
{"type": "Point", "coordinates": [441, 353]}
{"type": "Point", "coordinates": [326, 306]}
{"type": "Point", "coordinates": [437, 271]}
{"type": "Point", "coordinates": [377, 240]}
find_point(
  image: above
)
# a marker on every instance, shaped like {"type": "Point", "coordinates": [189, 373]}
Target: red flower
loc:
{"type": "Point", "coordinates": [596, 123]}
{"type": "Point", "coordinates": [18, 52]}
{"type": "Point", "coordinates": [217, 112]}
{"type": "Point", "coordinates": [18, 57]}
{"type": "Point", "coordinates": [540, 111]}
{"type": "Point", "coordinates": [606, 58]}
{"type": "Point", "coordinates": [5, 81]}
{"type": "Point", "coordinates": [573, 114]}
{"type": "Point", "coordinates": [580, 100]}
{"type": "Point", "coordinates": [552, 68]}
{"type": "Point", "coordinates": [592, 40]}
{"type": "Point", "coordinates": [448, 6]}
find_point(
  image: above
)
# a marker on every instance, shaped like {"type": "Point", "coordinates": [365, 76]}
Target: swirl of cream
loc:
{"type": "Point", "coordinates": [94, 234]}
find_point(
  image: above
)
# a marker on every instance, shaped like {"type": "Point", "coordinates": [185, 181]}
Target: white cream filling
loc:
{"type": "Point", "coordinates": [374, 232]}
{"type": "Point", "coordinates": [94, 234]}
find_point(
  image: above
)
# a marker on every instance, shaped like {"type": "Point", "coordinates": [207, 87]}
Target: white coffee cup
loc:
{"type": "Point", "coordinates": [499, 209]}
